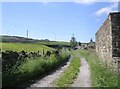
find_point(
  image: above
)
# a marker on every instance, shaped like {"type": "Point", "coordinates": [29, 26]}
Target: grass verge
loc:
{"type": "Point", "coordinates": [69, 75]}
{"type": "Point", "coordinates": [101, 75]}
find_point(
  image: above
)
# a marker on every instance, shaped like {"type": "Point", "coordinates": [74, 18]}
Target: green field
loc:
{"type": "Point", "coordinates": [17, 39]}
{"type": "Point", "coordinates": [54, 43]}
{"type": "Point", "coordinates": [28, 47]}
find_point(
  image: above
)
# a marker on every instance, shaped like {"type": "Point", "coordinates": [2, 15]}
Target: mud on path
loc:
{"type": "Point", "coordinates": [47, 80]}
{"type": "Point", "coordinates": [83, 79]}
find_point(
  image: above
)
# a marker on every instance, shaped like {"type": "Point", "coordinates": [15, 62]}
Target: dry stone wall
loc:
{"type": "Point", "coordinates": [108, 40]}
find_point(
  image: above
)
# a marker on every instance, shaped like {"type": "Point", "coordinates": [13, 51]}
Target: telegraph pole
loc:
{"type": "Point", "coordinates": [27, 33]}
{"type": "Point", "coordinates": [73, 35]}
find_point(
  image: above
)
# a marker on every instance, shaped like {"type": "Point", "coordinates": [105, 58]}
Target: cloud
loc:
{"type": "Point", "coordinates": [84, 2]}
{"type": "Point", "coordinates": [107, 10]}
{"type": "Point", "coordinates": [78, 1]}
{"type": "Point", "coordinates": [45, 2]}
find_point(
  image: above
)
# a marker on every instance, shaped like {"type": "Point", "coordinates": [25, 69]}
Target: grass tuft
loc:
{"type": "Point", "coordinates": [69, 75]}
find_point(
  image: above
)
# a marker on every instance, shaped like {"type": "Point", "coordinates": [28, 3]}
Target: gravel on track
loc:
{"type": "Point", "coordinates": [83, 79]}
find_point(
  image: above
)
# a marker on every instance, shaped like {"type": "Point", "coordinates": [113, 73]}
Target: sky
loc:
{"type": "Point", "coordinates": [56, 21]}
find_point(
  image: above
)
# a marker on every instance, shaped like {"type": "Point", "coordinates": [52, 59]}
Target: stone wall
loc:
{"type": "Point", "coordinates": [108, 40]}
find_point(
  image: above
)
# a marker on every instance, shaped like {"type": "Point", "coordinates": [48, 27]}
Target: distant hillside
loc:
{"type": "Point", "coordinates": [17, 39]}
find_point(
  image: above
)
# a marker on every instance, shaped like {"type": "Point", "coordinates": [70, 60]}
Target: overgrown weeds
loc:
{"type": "Point", "coordinates": [32, 68]}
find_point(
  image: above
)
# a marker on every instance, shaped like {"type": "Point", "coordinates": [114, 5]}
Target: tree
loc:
{"type": "Point", "coordinates": [79, 43]}
{"type": "Point", "coordinates": [73, 42]}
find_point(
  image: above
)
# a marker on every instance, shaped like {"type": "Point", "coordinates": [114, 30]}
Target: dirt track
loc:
{"type": "Point", "coordinates": [83, 79]}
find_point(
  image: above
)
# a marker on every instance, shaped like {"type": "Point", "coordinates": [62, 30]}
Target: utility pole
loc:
{"type": "Point", "coordinates": [27, 33]}
{"type": "Point", "coordinates": [73, 35]}
{"type": "Point", "coordinates": [55, 37]}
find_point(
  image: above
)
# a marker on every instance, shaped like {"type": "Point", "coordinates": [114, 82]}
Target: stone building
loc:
{"type": "Point", "coordinates": [108, 40]}
{"type": "Point", "coordinates": [91, 44]}
{"type": "Point", "coordinates": [84, 45]}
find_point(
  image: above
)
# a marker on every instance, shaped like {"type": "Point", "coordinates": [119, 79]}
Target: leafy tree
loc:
{"type": "Point", "coordinates": [73, 42]}
{"type": "Point", "coordinates": [79, 43]}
